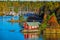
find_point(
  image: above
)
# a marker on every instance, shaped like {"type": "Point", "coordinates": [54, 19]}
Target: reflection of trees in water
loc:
{"type": "Point", "coordinates": [20, 24]}
{"type": "Point", "coordinates": [21, 19]}
{"type": "Point", "coordinates": [52, 36]}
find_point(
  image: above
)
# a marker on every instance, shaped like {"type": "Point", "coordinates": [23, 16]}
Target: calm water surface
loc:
{"type": "Point", "coordinates": [11, 31]}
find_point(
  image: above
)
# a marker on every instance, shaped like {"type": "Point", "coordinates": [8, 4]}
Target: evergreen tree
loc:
{"type": "Point", "coordinates": [44, 24]}
{"type": "Point", "coordinates": [21, 18]}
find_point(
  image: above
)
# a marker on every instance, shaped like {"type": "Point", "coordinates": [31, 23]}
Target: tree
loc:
{"type": "Point", "coordinates": [44, 24]}
{"type": "Point", "coordinates": [21, 18]}
{"type": "Point", "coordinates": [16, 9]}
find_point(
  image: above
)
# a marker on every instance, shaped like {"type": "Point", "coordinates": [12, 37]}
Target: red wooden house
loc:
{"type": "Point", "coordinates": [31, 25]}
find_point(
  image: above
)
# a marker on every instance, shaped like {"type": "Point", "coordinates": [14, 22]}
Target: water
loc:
{"type": "Point", "coordinates": [11, 31]}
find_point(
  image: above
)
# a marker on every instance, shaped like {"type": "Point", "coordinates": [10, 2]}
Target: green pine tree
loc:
{"type": "Point", "coordinates": [21, 18]}
{"type": "Point", "coordinates": [44, 24]}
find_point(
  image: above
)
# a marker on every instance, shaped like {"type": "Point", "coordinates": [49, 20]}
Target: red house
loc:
{"type": "Point", "coordinates": [31, 25]}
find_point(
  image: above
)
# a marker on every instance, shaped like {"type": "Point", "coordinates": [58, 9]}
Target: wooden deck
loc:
{"type": "Point", "coordinates": [30, 31]}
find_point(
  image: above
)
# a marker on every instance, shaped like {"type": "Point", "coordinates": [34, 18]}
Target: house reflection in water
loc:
{"type": "Point", "coordinates": [31, 36]}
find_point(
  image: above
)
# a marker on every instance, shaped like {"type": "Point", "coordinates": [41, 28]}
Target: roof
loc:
{"type": "Point", "coordinates": [33, 23]}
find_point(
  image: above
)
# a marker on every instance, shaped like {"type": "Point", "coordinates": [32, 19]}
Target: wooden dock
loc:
{"type": "Point", "coordinates": [30, 31]}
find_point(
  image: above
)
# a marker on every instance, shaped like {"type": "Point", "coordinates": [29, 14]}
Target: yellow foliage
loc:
{"type": "Point", "coordinates": [31, 5]}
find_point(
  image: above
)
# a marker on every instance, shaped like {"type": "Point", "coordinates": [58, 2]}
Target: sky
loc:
{"type": "Point", "coordinates": [31, 0]}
